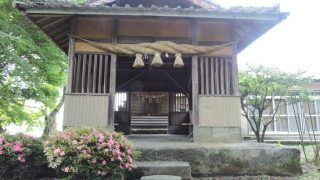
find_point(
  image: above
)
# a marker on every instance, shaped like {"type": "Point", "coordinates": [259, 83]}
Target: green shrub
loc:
{"type": "Point", "coordinates": [21, 157]}
{"type": "Point", "coordinates": [89, 154]}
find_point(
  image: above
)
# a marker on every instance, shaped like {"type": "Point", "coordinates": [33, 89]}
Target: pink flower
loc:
{"type": "Point", "coordinates": [8, 144]}
{"type": "Point", "coordinates": [79, 147]}
{"type": "Point", "coordinates": [21, 158]}
{"type": "Point", "coordinates": [116, 152]}
{"type": "Point", "coordinates": [101, 137]}
{"type": "Point", "coordinates": [18, 147]}
{"type": "Point", "coordinates": [53, 136]}
{"type": "Point", "coordinates": [74, 142]}
{"type": "Point", "coordinates": [120, 158]}
{"type": "Point", "coordinates": [127, 165]}
{"type": "Point", "coordinates": [104, 162]}
{"type": "Point", "coordinates": [94, 160]}
{"type": "Point", "coordinates": [106, 150]}
{"type": "Point", "coordinates": [111, 142]}
{"type": "Point", "coordinates": [130, 159]}
{"type": "Point", "coordinates": [129, 152]}
{"type": "Point", "coordinates": [57, 151]}
{"type": "Point", "coordinates": [65, 169]}
{"type": "Point", "coordinates": [62, 153]}
{"type": "Point", "coordinates": [99, 172]}
{"type": "Point", "coordinates": [64, 136]}
{"type": "Point", "coordinates": [112, 159]}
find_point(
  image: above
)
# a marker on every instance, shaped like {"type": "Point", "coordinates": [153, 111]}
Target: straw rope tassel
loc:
{"type": "Point", "coordinates": [178, 62]}
{"type": "Point", "coordinates": [138, 62]}
{"type": "Point", "coordinates": [157, 61]}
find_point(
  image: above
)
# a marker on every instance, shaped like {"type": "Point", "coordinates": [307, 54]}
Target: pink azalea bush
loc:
{"type": "Point", "coordinates": [89, 153]}
{"type": "Point", "coordinates": [21, 156]}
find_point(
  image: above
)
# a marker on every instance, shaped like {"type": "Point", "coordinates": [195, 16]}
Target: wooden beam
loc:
{"type": "Point", "coordinates": [43, 19]}
{"type": "Point", "coordinates": [113, 66]}
{"type": "Point", "coordinates": [130, 80]}
{"type": "Point", "coordinates": [55, 22]}
{"type": "Point", "coordinates": [100, 73]}
{"type": "Point", "coordinates": [84, 65]}
{"type": "Point", "coordinates": [235, 78]}
{"type": "Point", "coordinates": [175, 82]}
{"type": "Point", "coordinates": [62, 35]}
{"type": "Point", "coordinates": [89, 86]}
{"type": "Point", "coordinates": [195, 78]}
{"type": "Point", "coordinates": [106, 70]}
{"type": "Point", "coordinates": [212, 87]}
{"type": "Point", "coordinates": [63, 41]}
{"type": "Point", "coordinates": [206, 62]}
{"type": "Point", "coordinates": [58, 30]}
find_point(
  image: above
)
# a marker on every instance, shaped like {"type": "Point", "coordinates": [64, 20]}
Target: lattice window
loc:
{"type": "Point", "coordinates": [90, 73]}
{"type": "Point", "coordinates": [215, 76]}
{"type": "Point", "coordinates": [178, 102]}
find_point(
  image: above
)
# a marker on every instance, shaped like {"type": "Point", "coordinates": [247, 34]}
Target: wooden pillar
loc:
{"type": "Point", "coordinates": [71, 56]}
{"type": "Point", "coordinates": [195, 79]}
{"type": "Point", "coordinates": [235, 78]}
{"type": "Point", "coordinates": [112, 87]}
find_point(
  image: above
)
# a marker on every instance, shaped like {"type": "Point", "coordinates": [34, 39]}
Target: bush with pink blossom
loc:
{"type": "Point", "coordinates": [89, 153]}
{"type": "Point", "coordinates": [21, 156]}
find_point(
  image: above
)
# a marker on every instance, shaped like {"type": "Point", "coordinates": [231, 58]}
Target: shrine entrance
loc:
{"type": "Point", "coordinates": [152, 100]}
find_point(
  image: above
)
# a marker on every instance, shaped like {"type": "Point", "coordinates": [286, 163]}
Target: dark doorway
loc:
{"type": "Point", "coordinates": [154, 97]}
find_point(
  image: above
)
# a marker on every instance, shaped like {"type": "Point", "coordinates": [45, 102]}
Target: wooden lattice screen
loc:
{"type": "Point", "coordinates": [215, 76]}
{"type": "Point", "coordinates": [90, 73]}
{"type": "Point", "coordinates": [178, 102]}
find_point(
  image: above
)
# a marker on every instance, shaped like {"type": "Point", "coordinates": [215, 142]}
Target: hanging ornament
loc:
{"type": "Point", "coordinates": [138, 62]}
{"type": "Point", "coordinates": [178, 62]}
{"type": "Point", "coordinates": [157, 61]}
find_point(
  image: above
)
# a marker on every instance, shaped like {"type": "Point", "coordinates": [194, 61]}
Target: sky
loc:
{"type": "Point", "coordinates": [291, 45]}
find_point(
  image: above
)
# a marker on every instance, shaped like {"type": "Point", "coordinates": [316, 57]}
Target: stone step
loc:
{"type": "Point", "coordinates": [174, 168]}
{"type": "Point", "coordinates": [161, 177]}
{"type": "Point", "coordinates": [149, 131]}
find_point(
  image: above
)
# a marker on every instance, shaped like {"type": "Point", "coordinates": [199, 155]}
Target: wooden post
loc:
{"type": "Point", "coordinates": [71, 56]}
{"type": "Point", "coordinates": [235, 78]}
{"type": "Point", "coordinates": [195, 79]}
{"type": "Point", "coordinates": [112, 86]}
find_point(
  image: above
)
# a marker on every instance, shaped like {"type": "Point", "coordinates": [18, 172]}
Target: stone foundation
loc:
{"type": "Point", "coordinates": [211, 159]}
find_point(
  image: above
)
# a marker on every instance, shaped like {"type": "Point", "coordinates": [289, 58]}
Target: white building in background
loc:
{"type": "Point", "coordinates": [285, 119]}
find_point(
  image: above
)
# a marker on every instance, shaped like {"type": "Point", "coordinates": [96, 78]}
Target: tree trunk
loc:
{"type": "Point", "coordinates": [257, 136]}
{"type": "Point", "coordinates": [263, 133]}
{"type": "Point", "coordinates": [2, 130]}
{"type": "Point", "coordinates": [50, 120]}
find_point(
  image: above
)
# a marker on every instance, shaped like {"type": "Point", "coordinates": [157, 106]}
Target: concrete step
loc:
{"type": "Point", "coordinates": [161, 177]}
{"type": "Point", "coordinates": [174, 168]}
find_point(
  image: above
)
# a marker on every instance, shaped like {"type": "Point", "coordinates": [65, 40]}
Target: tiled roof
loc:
{"type": "Point", "coordinates": [157, 5]}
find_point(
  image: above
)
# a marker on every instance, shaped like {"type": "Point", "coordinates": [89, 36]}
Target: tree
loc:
{"type": "Point", "coordinates": [32, 68]}
{"type": "Point", "coordinates": [258, 86]}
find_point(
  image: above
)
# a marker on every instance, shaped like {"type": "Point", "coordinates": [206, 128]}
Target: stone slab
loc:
{"type": "Point", "coordinates": [161, 177]}
{"type": "Point", "coordinates": [176, 168]}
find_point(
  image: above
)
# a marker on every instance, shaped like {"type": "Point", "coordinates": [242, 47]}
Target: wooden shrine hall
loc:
{"type": "Point", "coordinates": [164, 63]}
